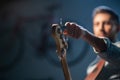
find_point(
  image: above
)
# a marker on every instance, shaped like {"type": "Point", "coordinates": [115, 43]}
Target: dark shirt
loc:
{"type": "Point", "coordinates": [111, 69]}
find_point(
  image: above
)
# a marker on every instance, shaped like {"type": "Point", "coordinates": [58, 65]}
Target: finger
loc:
{"type": "Point", "coordinates": [67, 24]}
{"type": "Point", "coordinates": [73, 24]}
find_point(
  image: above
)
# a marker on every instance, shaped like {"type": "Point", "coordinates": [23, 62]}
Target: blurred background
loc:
{"type": "Point", "coordinates": [27, 49]}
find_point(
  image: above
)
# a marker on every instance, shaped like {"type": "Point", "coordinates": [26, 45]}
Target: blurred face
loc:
{"type": "Point", "coordinates": [103, 26]}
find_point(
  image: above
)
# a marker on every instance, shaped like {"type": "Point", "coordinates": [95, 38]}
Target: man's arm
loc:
{"type": "Point", "coordinates": [76, 31]}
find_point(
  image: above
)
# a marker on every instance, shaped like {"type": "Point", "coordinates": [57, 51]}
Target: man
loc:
{"type": "Point", "coordinates": [105, 28]}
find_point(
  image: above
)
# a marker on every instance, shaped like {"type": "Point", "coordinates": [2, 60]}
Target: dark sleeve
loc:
{"type": "Point", "coordinates": [112, 54]}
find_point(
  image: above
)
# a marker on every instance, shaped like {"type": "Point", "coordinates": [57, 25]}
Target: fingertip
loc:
{"type": "Point", "coordinates": [67, 23]}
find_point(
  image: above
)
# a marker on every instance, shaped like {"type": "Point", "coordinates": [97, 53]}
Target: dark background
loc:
{"type": "Point", "coordinates": [27, 49]}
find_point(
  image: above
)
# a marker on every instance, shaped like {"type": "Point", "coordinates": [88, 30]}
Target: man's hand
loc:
{"type": "Point", "coordinates": [74, 30]}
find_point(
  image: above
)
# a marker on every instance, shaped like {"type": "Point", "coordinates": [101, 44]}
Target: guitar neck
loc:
{"type": "Point", "coordinates": [61, 49]}
{"type": "Point", "coordinates": [66, 71]}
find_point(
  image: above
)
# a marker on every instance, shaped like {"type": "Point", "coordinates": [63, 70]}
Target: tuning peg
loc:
{"type": "Point", "coordinates": [56, 51]}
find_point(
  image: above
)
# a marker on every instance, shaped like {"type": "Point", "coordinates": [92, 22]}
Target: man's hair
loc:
{"type": "Point", "coordinates": [105, 9]}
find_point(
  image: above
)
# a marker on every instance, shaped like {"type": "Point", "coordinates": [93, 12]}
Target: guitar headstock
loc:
{"type": "Point", "coordinates": [60, 40]}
